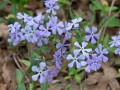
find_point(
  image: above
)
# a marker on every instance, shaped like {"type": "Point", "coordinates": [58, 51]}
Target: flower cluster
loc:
{"type": "Point", "coordinates": [39, 29]}
{"type": "Point", "coordinates": [86, 57]}
{"type": "Point", "coordinates": [115, 43]}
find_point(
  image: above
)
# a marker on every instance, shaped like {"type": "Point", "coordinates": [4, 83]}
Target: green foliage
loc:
{"type": "Point", "coordinates": [76, 74]}
{"type": "Point", "coordinates": [113, 22]}
{"type": "Point", "coordinates": [3, 4]}
{"type": "Point", "coordinates": [20, 80]}
{"type": "Point", "coordinates": [26, 62]}
{"type": "Point", "coordinates": [44, 86]}
{"type": "Point", "coordinates": [21, 86]}
{"type": "Point", "coordinates": [64, 2]}
{"type": "Point", "coordinates": [31, 86]}
{"type": "Point", "coordinates": [118, 75]}
{"type": "Point", "coordinates": [19, 76]}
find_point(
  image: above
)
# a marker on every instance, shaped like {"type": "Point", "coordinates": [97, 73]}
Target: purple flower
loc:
{"type": "Point", "coordinates": [51, 7]}
{"type": "Point", "coordinates": [41, 38]}
{"type": "Point", "coordinates": [52, 73]}
{"type": "Point", "coordinates": [14, 27]}
{"type": "Point", "coordinates": [16, 37]}
{"type": "Point", "coordinates": [44, 31]}
{"type": "Point", "coordinates": [15, 34]}
{"type": "Point", "coordinates": [40, 72]}
{"type": "Point", "coordinates": [101, 53]}
{"type": "Point", "coordinates": [57, 57]}
{"type": "Point", "coordinates": [75, 59]}
{"type": "Point", "coordinates": [51, 1]}
{"type": "Point", "coordinates": [76, 21]}
{"type": "Point", "coordinates": [92, 64]}
{"type": "Point", "coordinates": [115, 41]}
{"type": "Point", "coordinates": [25, 17]}
{"type": "Point", "coordinates": [62, 46]}
{"type": "Point", "coordinates": [117, 51]}
{"type": "Point", "coordinates": [67, 28]}
{"type": "Point", "coordinates": [56, 27]}
{"type": "Point", "coordinates": [82, 49]}
{"type": "Point", "coordinates": [30, 33]}
{"type": "Point", "coordinates": [91, 35]}
{"type": "Point", "coordinates": [39, 19]}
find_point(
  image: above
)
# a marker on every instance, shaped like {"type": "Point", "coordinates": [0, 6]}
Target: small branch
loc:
{"type": "Point", "coordinates": [104, 28]}
{"type": "Point", "coordinates": [17, 63]}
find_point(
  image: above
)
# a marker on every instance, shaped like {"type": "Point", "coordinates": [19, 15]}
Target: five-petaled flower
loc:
{"type": "Point", "coordinates": [40, 72]}
{"type": "Point", "coordinates": [101, 53]}
{"type": "Point", "coordinates": [76, 59]}
{"type": "Point", "coordinates": [91, 35]}
{"type": "Point", "coordinates": [82, 49]}
{"type": "Point", "coordinates": [92, 63]}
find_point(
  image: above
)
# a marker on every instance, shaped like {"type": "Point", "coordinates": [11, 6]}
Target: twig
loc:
{"type": "Point", "coordinates": [113, 2]}
{"type": "Point", "coordinates": [17, 63]}
{"type": "Point", "coordinates": [104, 28]}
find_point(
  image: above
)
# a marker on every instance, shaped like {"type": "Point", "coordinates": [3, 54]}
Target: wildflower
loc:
{"type": "Point", "coordinates": [101, 53]}
{"type": "Point", "coordinates": [67, 28]}
{"type": "Point", "coordinates": [30, 33]}
{"type": "Point", "coordinates": [82, 49]}
{"type": "Point", "coordinates": [117, 51]}
{"type": "Point", "coordinates": [57, 57]}
{"type": "Point", "coordinates": [52, 73]}
{"type": "Point", "coordinates": [40, 72]}
{"type": "Point", "coordinates": [15, 34]}
{"type": "Point", "coordinates": [91, 35]}
{"type": "Point", "coordinates": [14, 27]}
{"type": "Point", "coordinates": [75, 59]}
{"type": "Point", "coordinates": [92, 64]}
{"type": "Point", "coordinates": [44, 30]}
{"type": "Point", "coordinates": [115, 41]}
{"type": "Point", "coordinates": [51, 7]}
{"type": "Point", "coordinates": [25, 17]}
{"type": "Point", "coordinates": [61, 46]}
{"type": "Point", "coordinates": [56, 27]}
{"type": "Point", "coordinates": [76, 21]}
{"type": "Point", "coordinates": [39, 19]}
{"type": "Point", "coordinates": [41, 38]}
{"type": "Point", "coordinates": [16, 37]}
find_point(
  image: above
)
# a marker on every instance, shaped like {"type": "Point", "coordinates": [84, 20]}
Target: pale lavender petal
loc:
{"type": "Point", "coordinates": [87, 29]}
{"type": "Point", "coordinates": [69, 57]}
{"type": "Point", "coordinates": [35, 69]}
{"type": "Point", "coordinates": [94, 29]}
{"type": "Point", "coordinates": [77, 44]}
{"type": "Point", "coordinates": [71, 64]}
{"type": "Point", "coordinates": [42, 65]}
{"type": "Point", "coordinates": [87, 37]}
{"type": "Point", "coordinates": [83, 63]}
{"type": "Point", "coordinates": [35, 77]}
{"type": "Point", "coordinates": [78, 65]}
{"type": "Point", "coordinates": [93, 41]}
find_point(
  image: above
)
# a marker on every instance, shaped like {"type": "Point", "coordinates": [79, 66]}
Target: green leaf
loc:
{"type": "Point", "coordinates": [111, 49]}
{"type": "Point", "coordinates": [19, 76]}
{"type": "Point", "coordinates": [26, 62]}
{"type": "Point", "coordinates": [3, 4]}
{"type": "Point", "coordinates": [35, 55]}
{"type": "Point", "coordinates": [72, 71]}
{"type": "Point", "coordinates": [67, 77]}
{"type": "Point", "coordinates": [44, 86]}
{"type": "Point", "coordinates": [13, 9]}
{"type": "Point", "coordinates": [106, 40]}
{"type": "Point", "coordinates": [77, 78]}
{"type": "Point", "coordinates": [21, 86]}
{"type": "Point", "coordinates": [97, 4]}
{"type": "Point", "coordinates": [31, 86]}
{"type": "Point", "coordinates": [65, 2]}
{"type": "Point", "coordinates": [113, 22]}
